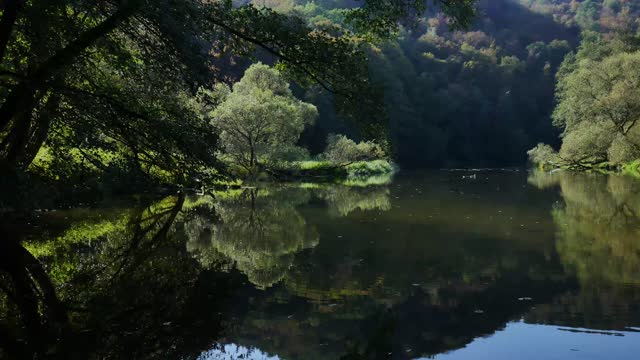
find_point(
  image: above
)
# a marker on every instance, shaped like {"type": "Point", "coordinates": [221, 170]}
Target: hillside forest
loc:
{"type": "Point", "coordinates": [123, 94]}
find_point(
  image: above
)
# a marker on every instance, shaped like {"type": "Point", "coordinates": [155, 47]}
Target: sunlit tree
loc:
{"type": "Point", "coordinates": [260, 118]}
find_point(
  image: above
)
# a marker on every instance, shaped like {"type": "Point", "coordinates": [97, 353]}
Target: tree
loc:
{"type": "Point", "coordinates": [260, 117]}
{"type": "Point", "coordinates": [601, 91]}
{"type": "Point", "coordinates": [587, 14]}
{"type": "Point", "coordinates": [53, 53]}
{"type": "Point", "coordinates": [599, 102]}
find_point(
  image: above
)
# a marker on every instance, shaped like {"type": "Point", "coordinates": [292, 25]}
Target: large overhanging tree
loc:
{"type": "Point", "coordinates": [116, 74]}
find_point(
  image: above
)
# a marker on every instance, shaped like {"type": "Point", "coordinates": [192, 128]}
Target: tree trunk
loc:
{"type": "Point", "coordinates": [252, 160]}
{"type": "Point", "coordinates": [40, 133]}
{"type": "Point", "coordinates": [9, 17]}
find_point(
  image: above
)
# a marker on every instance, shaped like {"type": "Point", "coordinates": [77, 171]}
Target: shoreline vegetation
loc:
{"type": "Point", "coordinates": [116, 103]}
{"type": "Point", "coordinates": [630, 169]}
{"type": "Point", "coordinates": [597, 108]}
{"type": "Point", "coordinates": [259, 123]}
{"type": "Point", "coordinates": [132, 96]}
{"type": "Point", "coordinates": [325, 171]}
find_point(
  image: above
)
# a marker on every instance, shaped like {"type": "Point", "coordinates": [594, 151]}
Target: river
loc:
{"type": "Point", "coordinates": [474, 264]}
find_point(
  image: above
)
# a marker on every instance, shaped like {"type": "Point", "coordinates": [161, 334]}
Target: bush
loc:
{"type": "Point", "coordinates": [369, 168]}
{"type": "Point", "coordinates": [543, 154]}
{"type": "Point", "coordinates": [342, 150]}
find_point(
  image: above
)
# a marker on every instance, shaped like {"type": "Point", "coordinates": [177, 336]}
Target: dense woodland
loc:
{"type": "Point", "coordinates": [484, 96]}
{"type": "Point", "coordinates": [128, 93]}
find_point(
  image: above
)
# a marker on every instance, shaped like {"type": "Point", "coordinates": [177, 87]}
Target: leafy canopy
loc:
{"type": "Point", "coordinates": [111, 81]}
{"type": "Point", "coordinates": [260, 117]}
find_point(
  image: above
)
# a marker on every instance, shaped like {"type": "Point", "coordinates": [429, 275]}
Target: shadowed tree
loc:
{"type": "Point", "coordinates": [113, 74]}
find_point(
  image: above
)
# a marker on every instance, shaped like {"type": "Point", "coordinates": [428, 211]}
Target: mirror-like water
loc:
{"type": "Point", "coordinates": [444, 264]}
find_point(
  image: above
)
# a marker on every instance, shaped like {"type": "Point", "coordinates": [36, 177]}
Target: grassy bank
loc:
{"type": "Point", "coordinates": [631, 168]}
{"type": "Point", "coordinates": [323, 171]}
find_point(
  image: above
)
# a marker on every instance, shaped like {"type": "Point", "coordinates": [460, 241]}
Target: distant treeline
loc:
{"type": "Point", "coordinates": [481, 97]}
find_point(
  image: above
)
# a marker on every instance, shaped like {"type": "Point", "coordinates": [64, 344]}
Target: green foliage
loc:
{"type": "Point", "coordinates": [587, 14]}
{"type": "Point", "coordinates": [587, 142]}
{"type": "Point", "coordinates": [364, 169]}
{"type": "Point", "coordinates": [599, 102]}
{"type": "Point", "coordinates": [543, 155]}
{"type": "Point", "coordinates": [114, 83]}
{"type": "Point", "coordinates": [359, 173]}
{"type": "Point", "coordinates": [602, 90]}
{"type": "Point", "coordinates": [477, 97]}
{"type": "Point", "coordinates": [381, 17]}
{"type": "Point", "coordinates": [463, 98]}
{"type": "Point", "coordinates": [260, 121]}
{"type": "Point", "coordinates": [342, 150]}
{"type": "Point", "coordinates": [622, 151]}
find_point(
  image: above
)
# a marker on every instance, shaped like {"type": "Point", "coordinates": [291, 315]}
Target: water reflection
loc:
{"type": "Point", "coordinates": [117, 285]}
{"type": "Point", "coordinates": [233, 351]}
{"type": "Point", "coordinates": [598, 233]}
{"type": "Point", "coordinates": [415, 268]}
{"type": "Point", "coordinates": [27, 293]}
{"type": "Point", "coordinates": [259, 230]}
{"type": "Point", "coordinates": [342, 200]}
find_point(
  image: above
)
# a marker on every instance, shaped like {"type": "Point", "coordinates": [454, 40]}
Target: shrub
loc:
{"type": "Point", "coordinates": [369, 168]}
{"type": "Point", "coordinates": [342, 150]}
{"type": "Point", "coordinates": [543, 154]}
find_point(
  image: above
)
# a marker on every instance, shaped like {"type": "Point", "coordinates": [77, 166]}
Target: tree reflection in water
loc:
{"type": "Point", "coordinates": [259, 230]}
{"type": "Point", "coordinates": [120, 282]}
{"type": "Point", "coordinates": [269, 269]}
{"type": "Point", "coordinates": [598, 232]}
{"type": "Point", "coordinates": [120, 287]}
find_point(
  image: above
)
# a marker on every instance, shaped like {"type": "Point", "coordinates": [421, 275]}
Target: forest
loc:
{"type": "Point", "coordinates": [127, 94]}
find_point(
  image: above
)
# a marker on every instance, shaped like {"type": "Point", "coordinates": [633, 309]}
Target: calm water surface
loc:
{"type": "Point", "coordinates": [445, 264]}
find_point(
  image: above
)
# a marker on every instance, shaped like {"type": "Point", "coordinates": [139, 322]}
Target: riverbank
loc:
{"type": "Point", "coordinates": [26, 191]}
{"type": "Point", "coordinates": [631, 168]}
{"type": "Point", "coordinates": [323, 171]}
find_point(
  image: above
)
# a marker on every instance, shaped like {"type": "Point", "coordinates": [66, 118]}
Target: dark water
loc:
{"type": "Point", "coordinates": [445, 265]}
